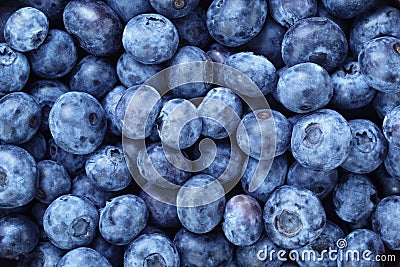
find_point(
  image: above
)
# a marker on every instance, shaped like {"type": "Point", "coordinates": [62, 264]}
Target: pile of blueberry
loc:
{"type": "Point", "coordinates": [92, 145]}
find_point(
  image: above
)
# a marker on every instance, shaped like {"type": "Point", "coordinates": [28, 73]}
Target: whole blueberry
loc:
{"type": "Point", "coordinates": [70, 222]}
{"type": "Point", "coordinates": [287, 12]}
{"type": "Point", "coordinates": [386, 102]}
{"type": "Point", "coordinates": [263, 134]}
{"type": "Point", "coordinates": [178, 123]}
{"type": "Point", "coordinates": [210, 249]}
{"type": "Point", "coordinates": [23, 36]}
{"type": "Point", "coordinates": [233, 23]}
{"type": "Point", "coordinates": [83, 256]}
{"type": "Point", "coordinates": [127, 9]}
{"type": "Point", "coordinates": [350, 90]}
{"type": "Point", "coordinates": [177, 74]}
{"type": "Point", "coordinates": [348, 8]}
{"type": "Point", "coordinates": [320, 183]}
{"type": "Point", "coordinates": [14, 69]}
{"type": "Point", "coordinates": [36, 146]}
{"type": "Point", "coordinates": [391, 126]}
{"type": "Point", "coordinates": [132, 72]}
{"type": "Point", "coordinates": [293, 217]}
{"type": "Point", "coordinates": [192, 28]}
{"type": "Point", "coordinates": [258, 68]}
{"type": "Point", "coordinates": [94, 25]}
{"type": "Point", "coordinates": [46, 92]}
{"type": "Point", "coordinates": [73, 163]}
{"type": "Point", "coordinates": [379, 63]}
{"type": "Point", "coordinates": [20, 235]}
{"type": "Point", "coordinates": [321, 140]}
{"type": "Point", "coordinates": [93, 75]}
{"type": "Point", "coordinates": [384, 21]}
{"type": "Point", "coordinates": [54, 181]}
{"type": "Point", "coordinates": [54, 58]}
{"type": "Point", "coordinates": [114, 254]}
{"type": "Point", "coordinates": [361, 240]}
{"type": "Point", "coordinates": [107, 169]}
{"type": "Point", "coordinates": [384, 222]}
{"type": "Point", "coordinates": [151, 250]}
{"type": "Point", "coordinates": [354, 198]}
{"type": "Point", "coordinates": [77, 122]}
{"type": "Point", "coordinates": [174, 8]}
{"type": "Point", "coordinates": [150, 38]}
{"type": "Point", "coordinates": [122, 219]}
{"type": "Point", "coordinates": [242, 223]}
{"type": "Point", "coordinates": [194, 215]}
{"type": "Point", "coordinates": [316, 39]}
{"type": "Point", "coordinates": [304, 87]}
{"type": "Point", "coordinates": [109, 104]}
{"type": "Point", "coordinates": [220, 110]}
{"type": "Point", "coordinates": [45, 254]}
{"type": "Point", "coordinates": [369, 147]}
{"type": "Point", "coordinates": [261, 178]}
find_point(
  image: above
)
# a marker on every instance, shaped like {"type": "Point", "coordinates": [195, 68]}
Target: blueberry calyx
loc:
{"type": "Point", "coordinates": [81, 227]}
{"type": "Point", "coordinates": [41, 194]}
{"type": "Point", "coordinates": [320, 58]}
{"type": "Point", "coordinates": [7, 56]}
{"type": "Point", "coordinates": [365, 141]}
{"type": "Point", "coordinates": [154, 260]}
{"type": "Point", "coordinates": [288, 223]}
{"type": "Point", "coordinates": [3, 181]}
{"type": "Point", "coordinates": [313, 135]}
{"type": "Point", "coordinates": [93, 119]}
{"type": "Point", "coordinates": [179, 4]}
{"type": "Point", "coordinates": [396, 47]}
{"type": "Point", "coordinates": [155, 22]}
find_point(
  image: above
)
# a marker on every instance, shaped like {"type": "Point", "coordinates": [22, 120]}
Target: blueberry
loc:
{"type": "Point", "coordinates": [73, 163]}
{"type": "Point", "coordinates": [131, 72]}
{"type": "Point", "coordinates": [384, 224]}
{"type": "Point", "coordinates": [83, 256]}
{"type": "Point", "coordinates": [127, 9]}
{"type": "Point", "coordinates": [391, 127]}
{"type": "Point", "coordinates": [150, 38]}
{"type": "Point", "coordinates": [384, 21]}
{"type": "Point", "coordinates": [386, 102]}
{"type": "Point", "coordinates": [95, 26]}
{"type": "Point", "coordinates": [220, 110]}
{"type": "Point", "coordinates": [83, 187]}
{"type": "Point", "coordinates": [70, 222]}
{"type": "Point", "coordinates": [93, 75]}
{"type": "Point", "coordinates": [325, 242]}
{"type": "Point", "coordinates": [174, 8]}
{"type": "Point", "coordinates": [77, 122]}
{"type": "Point", "coordinates": [199, 214]}
{"type": "Point", "coordinates": [161, 214]}
{"type": "Point", "coordinates": [122, 219]}
{"type": "Point", "coordinates": [354, 198]}
{"type": "Point", "coordinates": [192, 28]}
{"type": "Point", "coordinates": [268, 42]}
{"type": "Point", "coordinates": [233, 23]}
{"type": "Point", "coordinates": [178, 124]}
{"type": "Point", "coordinates": [155, 162]}
{"type": "Point", "coordinates": [258, 68]}
{"type": "Point", "coordinates": [261, 178]}
{"type": "Point", "coordinates": [386, 184]}
{"type": "Point", "coordinates": [112, 253]}
{"type": "Point", "coordinates": [350, 90]}
{"type": "Point", "coordinates": [293, 217]}
{"type": "Point", "coordinates": [36, 146]}
{"type": "Point", "coordinates": [369, 147]}
{"type": "Point", "coordinates": [361, 240]}
{"type": "Point", "coordinates": [304, 87]}
{"type": "Point", "coordinates": [46, 92]}
{"type": "Point", "coordinates": [19, 235]}
{"type": "Point", "coordinates": [19, 118]}
{"type": "Point", "coordinates": [54, 58]}
{"type": "Point", "coordinates": [109, 104]}
{"type": "Point", "coordinates": [18, 176]}
{"type": "Point", "coordinates": [379, 63]}
{"type": "Point", "coordinates": [45, 254]}
{"type": "Point", "coordinates": [210, 249]}
{"type": "Point", "coordinates": [320, 183]}
{"type": "Point", "coordinates": [301, 44]}
{"type": "Point", "coordinates": [7, 8]}
{"type": "Point", "coordinates": [107, 169]}
{"type": "Point", "coordinates": [26, 37]}
{"type": "Point", "coordinates": [286, 13]}
{"type": "Point", "coordinates": [54, 181]}
{"type": "Point", "coordinates": [242, 223]}
{"type": "Point", "coordinates": [151, 250]}
{"type": "Point", "coordinates": [348, 9]}
{"type": "Point", "coordinates": [14, 69]}
{"type": "Point", "coordinates": [321, 140]}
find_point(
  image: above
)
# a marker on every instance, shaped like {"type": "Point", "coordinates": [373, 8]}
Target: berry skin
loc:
{"type": "Point", "coordinates": [45, 254]}
{"type": "Point", "coordinates": [348, 9]}
{"type": "Point", "coordinates": [127, 9]}
{"type": "Point", "coordinates": [83, 256]}
{"type": "Point", "coordinates": [293, 217]}
{"type": "Point", "coordinates": [174, 8]}
{"type": "Point", "coordinates": [109, 104]}
{"type": "Point", "coordinates": [286, 13]}
{"type": "Point", "coordinates": [391, 127]}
